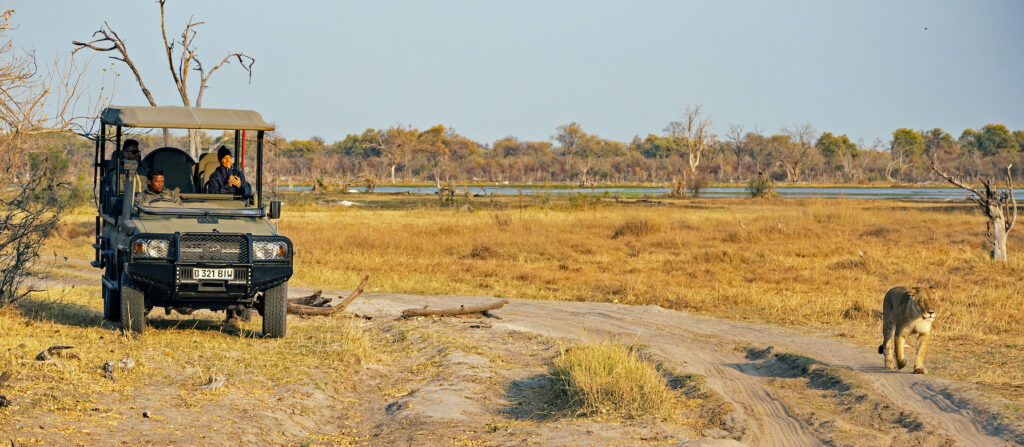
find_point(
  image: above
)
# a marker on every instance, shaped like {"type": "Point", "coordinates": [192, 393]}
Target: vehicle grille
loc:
{"type": "Point", "coordinates": [213, 248]}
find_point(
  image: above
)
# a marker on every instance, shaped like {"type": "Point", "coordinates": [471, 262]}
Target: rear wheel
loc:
{"type": "Point", "coordinates": [133, 307]}
{"type": "Point", "coordinates": [275, 311]}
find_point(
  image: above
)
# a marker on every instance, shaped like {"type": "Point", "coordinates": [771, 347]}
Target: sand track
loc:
{"type": "Point", "coordinates": [938, 408]}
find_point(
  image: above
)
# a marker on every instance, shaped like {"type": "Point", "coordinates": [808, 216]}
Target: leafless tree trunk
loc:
{"type": "Point", "coordinates": [695, 131]}
{"type": "Point", "coordinates": [106, 39]}
{"type": "Point", "coordinates": [999, 206]}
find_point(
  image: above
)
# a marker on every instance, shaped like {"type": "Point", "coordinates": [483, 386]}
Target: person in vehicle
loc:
{"type": "Point", "coordinates": [155, 191]}
{"type": "Point", "coordinates": [227, 180]}
{"type": "Point", "coordinates": [133, 153]}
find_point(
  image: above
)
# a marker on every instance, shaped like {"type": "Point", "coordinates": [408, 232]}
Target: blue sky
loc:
{"type": "Point", "coordinates": [496, 68]}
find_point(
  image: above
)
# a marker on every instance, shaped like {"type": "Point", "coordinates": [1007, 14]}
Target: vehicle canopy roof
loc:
{"type": "Point", "coordinates": [178, 117]}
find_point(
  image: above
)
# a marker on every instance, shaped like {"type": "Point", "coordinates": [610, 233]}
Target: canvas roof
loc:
{"type": "Point", "coordinates": [178, 117]}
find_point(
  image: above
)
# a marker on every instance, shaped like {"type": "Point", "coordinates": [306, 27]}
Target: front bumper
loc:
{"type": "Point", "coordinates": [176, 280]}
{"type": "Point", "coordinates": [170, 280]}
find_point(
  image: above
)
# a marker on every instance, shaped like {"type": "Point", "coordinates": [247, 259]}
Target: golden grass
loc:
{"type": "Point", "coordinates": [811, 263]}
{"type": "Point", "coordinates": [175, 357]}
{"type": "Point", "coordinates": [821, 264]}
{"type": "Point", "coordinates": [608, 379]}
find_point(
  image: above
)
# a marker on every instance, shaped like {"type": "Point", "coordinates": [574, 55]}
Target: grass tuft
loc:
{"type": "Point", "coordinates": [608, 379]}
{"type": "Point", "coordinates": [636, 228]}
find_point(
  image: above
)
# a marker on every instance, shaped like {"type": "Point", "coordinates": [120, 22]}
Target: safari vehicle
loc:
{"type": "Point", "coordinates": [210, 251]}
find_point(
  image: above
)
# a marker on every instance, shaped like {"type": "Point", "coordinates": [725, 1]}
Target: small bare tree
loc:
{"type": "Point", "coordinates": [106, 39]}
{"type": "Point", "coordinates": [999, 206]}
{"type": "Point", "coordinates": [695, 132]}
{"type": "Point", "coordinates": [32, 102]}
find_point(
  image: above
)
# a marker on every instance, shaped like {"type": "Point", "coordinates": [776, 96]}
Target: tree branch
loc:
{"type": "Point", "coordinates": [109, 35]}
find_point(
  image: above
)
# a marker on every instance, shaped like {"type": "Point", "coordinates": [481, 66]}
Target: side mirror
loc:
{"type": "Point", "coordinates": [275, 209]}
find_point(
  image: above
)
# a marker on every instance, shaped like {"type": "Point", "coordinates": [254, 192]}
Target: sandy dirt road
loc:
{"type": "Point", "coordinates": [900, 406]}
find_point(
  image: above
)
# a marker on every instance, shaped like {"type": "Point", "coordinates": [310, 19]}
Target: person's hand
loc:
{"type": "Point", "coordinates": [235, 181]}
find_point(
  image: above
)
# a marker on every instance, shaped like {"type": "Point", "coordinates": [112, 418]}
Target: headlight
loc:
{"type": "Point", "coordinates": [269, 250]}
{"type": "Point", "coordinates": [151, 248]}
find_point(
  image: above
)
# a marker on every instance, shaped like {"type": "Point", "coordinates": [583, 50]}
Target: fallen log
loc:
{"type": "Point", "coordinates": [314, 305]}
{"type": "Point", "coordinates": [461, 310]}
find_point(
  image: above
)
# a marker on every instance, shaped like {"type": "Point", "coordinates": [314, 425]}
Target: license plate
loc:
{"type": "Point", "coordinates": [198, 273]}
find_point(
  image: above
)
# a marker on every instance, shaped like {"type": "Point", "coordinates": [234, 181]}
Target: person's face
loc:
{"type": "Point", "coordinates": [226, 161]}
{"type": "Point", "coordinates": [132, 153]}
{"type": "Point", "coordinates": [156, 183]}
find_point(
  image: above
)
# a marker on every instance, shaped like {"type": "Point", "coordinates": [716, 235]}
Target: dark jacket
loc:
{"type": "Point", "coordinates": [218, 183]}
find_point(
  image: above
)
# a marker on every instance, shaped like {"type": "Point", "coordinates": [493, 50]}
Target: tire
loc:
{"type": "Point", "coordinates": [275, 311]}
{"type": "Point", "coordinates": [133, 307]}
{"type": "Point", "coordinates": [111, 304]}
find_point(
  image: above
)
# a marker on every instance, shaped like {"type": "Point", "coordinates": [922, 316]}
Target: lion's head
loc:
{"type": "Point", "coordinates": [926, 301]}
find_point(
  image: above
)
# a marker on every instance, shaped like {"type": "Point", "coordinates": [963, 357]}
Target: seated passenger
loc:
{"type": "Point", "coordinates": [227, 180]}
{"type": "Point", "coordinates": [155, 191]}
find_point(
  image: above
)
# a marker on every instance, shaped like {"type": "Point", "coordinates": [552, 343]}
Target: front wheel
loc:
{"type": "Point", "coordinates": [133, 307]}
{"type": "Point", "coordinates": [275, 311]}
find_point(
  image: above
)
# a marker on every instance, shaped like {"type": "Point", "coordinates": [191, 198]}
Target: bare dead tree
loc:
{"type": "Point", "coordinates": [999, 206]}
{"type": "Point", "coordinates": [695, 132]}
{"type": "Point", "coordinates": [106, 39]}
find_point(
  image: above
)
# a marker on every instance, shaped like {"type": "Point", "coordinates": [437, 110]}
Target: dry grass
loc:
{"type": "Point", "coordinates": [821, 264]}
{"type": "Point", "coordinates": [810, 263]}
{"type": "Point", "coordinates": [608, 379]}
{"type": "Point", "coordinates": [174, 358]}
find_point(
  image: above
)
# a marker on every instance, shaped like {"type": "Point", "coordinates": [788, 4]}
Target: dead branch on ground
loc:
{"type": "Point", "coordinates": [461, 310]}
{"type": "Point", "coordinates": [316, 304]}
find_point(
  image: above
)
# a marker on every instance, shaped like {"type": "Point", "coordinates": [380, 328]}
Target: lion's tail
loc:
{"type": "Point", "coordinates": [877, 313]}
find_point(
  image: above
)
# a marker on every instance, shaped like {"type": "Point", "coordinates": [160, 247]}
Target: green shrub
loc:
{"type": "Point", "coordinates": [761, 186]}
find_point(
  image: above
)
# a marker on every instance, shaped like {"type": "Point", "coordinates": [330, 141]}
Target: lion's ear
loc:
{"type": "Point", "coordinates": [914, 291]}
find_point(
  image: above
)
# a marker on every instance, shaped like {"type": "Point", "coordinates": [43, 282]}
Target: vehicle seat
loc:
{"type": "Point", "coordinates": [207, 164]}
{"type": "Point", "coordinates": [177, 166]}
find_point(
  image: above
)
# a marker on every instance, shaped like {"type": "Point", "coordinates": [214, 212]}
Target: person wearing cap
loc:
{"type": "Point", "coordinates": [227, 180]}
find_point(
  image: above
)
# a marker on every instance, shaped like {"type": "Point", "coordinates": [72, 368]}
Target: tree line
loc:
{"type": "Point", "coordinates": [402, 154]}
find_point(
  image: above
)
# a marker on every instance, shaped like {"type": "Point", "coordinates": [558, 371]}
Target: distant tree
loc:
{"type": "Point", "coordinates": [569, 136]}
{"type": "Point", "coordinates": [396, 144]}
{"type": "Point", "coordinates": [905, 149]}
{"type": "Point", "coordinates": [738, 146]}
{"type": "Point", "coordinates": [364, 145]}
{"type": "Point", "coordinates": [795, 156]}
{"type": "Point", "coordinates": [694, 130]}
{"type": "Point", "coordinates": [106, 39]}
{"type": "Point", "coordinates": [838, 150]}
{"type": "Point", "coordinates": [993, 139]}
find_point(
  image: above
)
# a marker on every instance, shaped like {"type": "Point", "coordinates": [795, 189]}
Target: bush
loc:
{"type": "Point", "coordinates": [609, 379]}
{"type": "Point", "coordinates": [761, 186]}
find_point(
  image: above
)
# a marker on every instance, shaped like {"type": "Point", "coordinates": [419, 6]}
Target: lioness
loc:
{"type": "Point", "coordinates": [906, 312]}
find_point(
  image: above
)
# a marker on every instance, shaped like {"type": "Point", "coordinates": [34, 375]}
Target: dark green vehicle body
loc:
{"type": "Point", "coordinates": [212, 251]}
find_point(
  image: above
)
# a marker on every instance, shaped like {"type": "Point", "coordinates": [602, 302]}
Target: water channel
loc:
{"type": "Point", "coordinates": [789, 192]}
